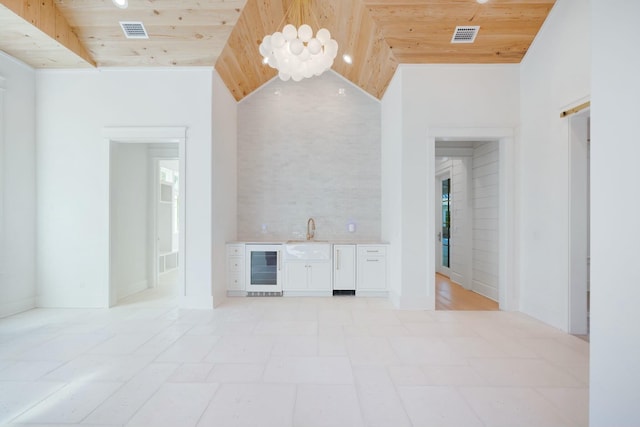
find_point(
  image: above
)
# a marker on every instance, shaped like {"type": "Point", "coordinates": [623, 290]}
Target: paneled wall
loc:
{"type": "Point", "coordinates": [461, 242]}
{"type": "Point", "coordinates": [309, 149]}
{"type": "Point", "coordinates": [485, 219]}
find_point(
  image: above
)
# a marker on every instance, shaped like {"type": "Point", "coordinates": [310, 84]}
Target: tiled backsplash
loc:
{"type": "Point", "coordinates": [309, 149]}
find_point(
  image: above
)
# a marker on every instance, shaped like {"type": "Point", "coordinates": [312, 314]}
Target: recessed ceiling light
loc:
{"type": "Point", "coordinates": [482, 1]}
{"type": "Point", "coordinates": [122, 4]}
{"type": "Point", "coordinates": [347, 58]}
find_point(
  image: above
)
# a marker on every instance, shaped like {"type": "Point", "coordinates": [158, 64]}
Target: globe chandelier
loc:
{"type": "Point", "coordinates": [294, 51]}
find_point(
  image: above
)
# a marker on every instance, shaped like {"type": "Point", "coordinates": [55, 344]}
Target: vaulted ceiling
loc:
{"type": "Point", "coordinates": [378, 34]}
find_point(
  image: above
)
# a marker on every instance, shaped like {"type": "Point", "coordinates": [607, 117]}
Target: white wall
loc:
{"type": "Point", "coordinates": [485, 219]}
{"type": "Point", "coordinates": [305, 150]}
{"type": "Point", "coordinates": [73, 108]}
{"type": "Point", "coordinates": [391, 183]}
{"type": "Point", "coordinates": [130, 251]}
{"type": "Point", "coordinates": [555, 74]}
{"type": "Point", "coordinates": [225, 196]}
{"type": "Point", "coordinates": [17, 186]}
{"type": "Point", "coordinates": [615, 206]}
{"type": "Point", "coordinates": [437, 96]}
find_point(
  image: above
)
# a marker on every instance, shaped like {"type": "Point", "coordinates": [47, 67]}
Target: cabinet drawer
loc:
{"type": "Point", "coordinates": [235, 281]}
{"type": "Point", "coordinates": [372, 251]}
{"type": "Point", "coordinates": [235, 264]}
{"type": "Point", "coordinates": [235, 250]}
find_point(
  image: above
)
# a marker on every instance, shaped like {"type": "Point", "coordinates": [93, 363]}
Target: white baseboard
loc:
{"type": "Point", "coordinates": [377, 294]}
{"type": "Point", "coordinates": [17, 306]}
{"type": "Point", "coordinates": [485, 290]}
{"type": "Point", "coordinates": [412, 303]}
{"type": "Point", "coordinates": [134, 288]}
{"type": "Point", "coordinates": [457, 278]}
{"type": "Point", "coordinates": [236, 293]}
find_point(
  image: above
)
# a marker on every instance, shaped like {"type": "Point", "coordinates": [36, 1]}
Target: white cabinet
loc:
{"type": "Point", "coordinates": [307, 277]}
{"type": "Point", "coordinates": [235, 269]}
{"type": "Point", "coordinates": [344, 267]}
{"type": "Point", "coordinates": [372, 270]}
{"type": "Point", "coordinates": [295, 276]}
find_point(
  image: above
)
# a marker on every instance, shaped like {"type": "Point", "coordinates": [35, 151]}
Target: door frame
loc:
{"type": "Point", "coordinates": [508, 284]}
{"type": "Point", "coordinates": [149, 135]}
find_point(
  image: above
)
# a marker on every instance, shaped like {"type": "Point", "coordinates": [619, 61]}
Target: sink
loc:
{"type": "Point", "coordinates": [307, 250]}
{"type": "Point", "coordinates": [307, 241]}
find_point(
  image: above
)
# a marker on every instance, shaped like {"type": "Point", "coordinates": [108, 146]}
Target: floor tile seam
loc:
{"type": "Point", "coordinates": [361, 407]}
{"type": "Point", "coordinates": [31, 347]}
{"type": "Point", "coordinates": [558, 411]}
{"type": "Point", "coordinates": [33, 405]}
{"type": "Point", "coordinates": [140, 406]}
{"type": "Point", "coordinates": [130, 351]}
{"type": "Point", "coordinates": [209, 402]}
{"type": "Point", "coordinates": [488, 380]}
{"type": "Point", "coordinates": [398, 395]}
{"type": "Point", "coordinates": [514, 358]}
{"type": "Point", "coordinates": [164, 349]}
{"type": "Point", "coordinates": [458, 391]}
{"type": "Point", "coordinates": [12, 362]}
{"type": "Point", "coordinates": [116, 390]}
{"type": "Point", "coordinates": [563, 369]}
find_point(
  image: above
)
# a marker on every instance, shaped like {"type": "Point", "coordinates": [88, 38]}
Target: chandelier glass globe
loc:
{"type": "Point", "coordinates": [297, 54]}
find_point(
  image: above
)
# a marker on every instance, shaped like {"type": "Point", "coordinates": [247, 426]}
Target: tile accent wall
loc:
{"type": "Point", "coordinates": [309, 149]}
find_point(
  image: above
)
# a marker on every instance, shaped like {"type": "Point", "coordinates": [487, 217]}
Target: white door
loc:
{"type": "Point", "coordinates": [443, 223]}
{"type": "Point", "coordinates": [344, 267]}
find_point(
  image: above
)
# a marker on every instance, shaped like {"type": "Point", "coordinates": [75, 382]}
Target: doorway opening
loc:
{"type": "Point", "coordinates": [443, 222]}
{"type": "Point", "coordinates": [166, 230]}
{"type": "Point", "coordinates": [579, 223]}
{"type": "Point", "coordinates": [147, 219]}
{"type": "Point", "coordinates": [467, 213]}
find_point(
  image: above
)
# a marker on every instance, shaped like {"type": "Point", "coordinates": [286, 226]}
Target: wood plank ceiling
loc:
{"type": "Point", "coordinates": [378, 34]}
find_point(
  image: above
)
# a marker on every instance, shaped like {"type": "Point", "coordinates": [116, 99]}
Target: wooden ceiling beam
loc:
{"type": "Point", "coordinates": [45, 17]}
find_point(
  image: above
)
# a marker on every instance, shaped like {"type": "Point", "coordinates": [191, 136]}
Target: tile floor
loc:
{"type": "Point", "coordinates": [314, 362]}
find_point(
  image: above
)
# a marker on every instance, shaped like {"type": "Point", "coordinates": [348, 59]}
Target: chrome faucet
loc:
{"type": "Point", "coordinates": [311, 229]}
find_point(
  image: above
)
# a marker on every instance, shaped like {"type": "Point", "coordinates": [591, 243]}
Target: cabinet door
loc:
{"type": "Point", "coordinates": [372, 267]}
{"type": "Point", "coordinates": [319, 276]}
{"type": "Point", "coordinates": [372, 273]}
{"type": "Point", "coordinates": [295, 276]}
{"type": "Point", "coordinates": [344, 267]}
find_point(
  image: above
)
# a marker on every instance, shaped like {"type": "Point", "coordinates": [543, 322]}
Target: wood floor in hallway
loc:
{"type": "Point", "coordinates": [451, 296]}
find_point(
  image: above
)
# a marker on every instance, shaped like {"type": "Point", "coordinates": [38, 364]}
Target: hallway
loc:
{"type": "Point", "coordinates": [451, 296]}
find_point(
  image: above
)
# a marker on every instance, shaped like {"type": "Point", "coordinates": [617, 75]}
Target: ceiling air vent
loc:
{"type": "Point", "coordinates": [465, 34]}
{"type": "Point", "coordinates": [134, 30]}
